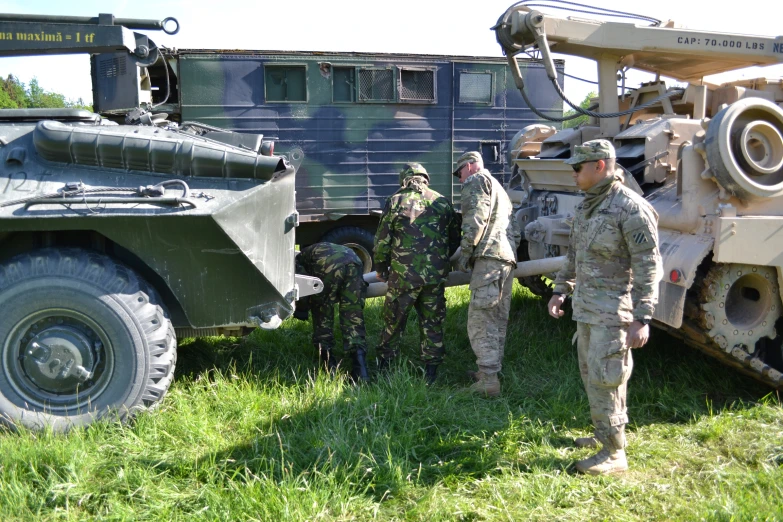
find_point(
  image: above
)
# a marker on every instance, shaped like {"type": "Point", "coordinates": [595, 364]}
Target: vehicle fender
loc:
{"type": "Point", "coordinates": [681, 254]}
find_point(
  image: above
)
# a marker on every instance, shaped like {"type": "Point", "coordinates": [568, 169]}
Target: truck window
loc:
{"type": "Point", "coordinates": [285, 83]}
{"type": "Point", "coordinates": [417, 85]}
{"type": "Point", "coordinates": [475, 87]}
{"type": "Point", "coordinates": [376, 85]}
{"type": "Point", "coordinates": [344, 84]}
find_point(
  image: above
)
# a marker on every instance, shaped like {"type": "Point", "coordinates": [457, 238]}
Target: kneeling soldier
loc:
{"type": "Point", "coordinates": [340, 270]}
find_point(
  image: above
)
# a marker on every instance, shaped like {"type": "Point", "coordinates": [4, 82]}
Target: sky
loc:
{"type": "Point", "coordinates": [450, 27]}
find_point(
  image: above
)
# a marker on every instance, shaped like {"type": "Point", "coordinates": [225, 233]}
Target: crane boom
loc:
{"type": "Point", "coordinates": [683, 54]}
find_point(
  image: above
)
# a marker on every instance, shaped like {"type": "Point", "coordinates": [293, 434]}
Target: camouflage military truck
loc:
{"type": "Point", "coordinates": [353, 120]}
{"type": "Point", "coordinates": [112, 237]}
{"type": "Point", "coordinates": [708, 157]}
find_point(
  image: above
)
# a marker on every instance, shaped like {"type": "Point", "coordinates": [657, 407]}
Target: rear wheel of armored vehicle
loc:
{"type": "Point", "coordinates": [82, 338]}
{"type": "Point", "coordinates": [359, 240]}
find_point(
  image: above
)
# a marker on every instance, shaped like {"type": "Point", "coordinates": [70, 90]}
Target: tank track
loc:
{"type": "Point", "coordinates": [737, 358]}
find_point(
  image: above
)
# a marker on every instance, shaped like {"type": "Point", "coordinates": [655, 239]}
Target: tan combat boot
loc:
{"type": "Point", "coordinates": [604, 463]}
{"type": "Point", "coordinates": [486, 384]}
{"type": "Point", "coordinates": [610, 459]}
{"type": "Point", "coordinates": [586, 442]}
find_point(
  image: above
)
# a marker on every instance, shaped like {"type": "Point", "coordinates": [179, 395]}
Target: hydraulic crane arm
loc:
{"type": "Point", "coordinates": [23, 35]}
{"type": "Point", "coordinates": [683, 54]}
{"type": "Point", "coordinates": [120, 57]}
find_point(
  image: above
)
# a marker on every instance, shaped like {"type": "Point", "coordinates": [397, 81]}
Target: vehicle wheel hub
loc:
{"type": "Point", "coordinates": [58, 357]}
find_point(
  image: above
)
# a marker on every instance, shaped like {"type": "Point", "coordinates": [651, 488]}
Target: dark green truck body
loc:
{"type": "Point", "coordinates": [357, 118]}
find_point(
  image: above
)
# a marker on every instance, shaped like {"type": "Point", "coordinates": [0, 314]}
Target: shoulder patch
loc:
{"type": "Point", "coordinates": [640, 237]}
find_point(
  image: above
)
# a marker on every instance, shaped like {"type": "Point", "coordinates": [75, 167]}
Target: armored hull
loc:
{"type": "Point", "coordinates": [716, 184]}
{"type": "Point", "coordinates": [111, 237]}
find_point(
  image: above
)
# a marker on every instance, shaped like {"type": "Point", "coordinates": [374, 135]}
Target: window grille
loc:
{"type": "Point", "coordinates": [376, 85]}
{"type": "Point", "coordinates": [417, 85]}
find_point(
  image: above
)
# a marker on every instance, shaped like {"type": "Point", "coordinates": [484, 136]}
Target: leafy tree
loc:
{"type": "Point", "coordinates": [581, 119]}
{"type": "Point", "coordinates": [12, 93]}
{"type": "Point", "coordinates": [38, 98]}
{"type": "Point", "coordinates": [15, 95]}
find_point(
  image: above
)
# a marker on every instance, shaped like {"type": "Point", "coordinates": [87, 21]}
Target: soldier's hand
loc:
{"type": "Point", "coordinates": [462, 264]}
{"type": "Point", "coordinates": [380, 277]}
{"type": "Point", "coordinates": [638, 334]}
{"type": "Point", "coordinates": [554, 306]}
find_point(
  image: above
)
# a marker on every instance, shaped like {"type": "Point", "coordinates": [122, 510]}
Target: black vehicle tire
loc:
{"type": "Point", "coordinates": [357, 239]}
{"type": "Point", "coordinates": [82, 338]}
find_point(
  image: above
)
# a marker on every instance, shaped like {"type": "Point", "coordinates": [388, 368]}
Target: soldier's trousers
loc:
{"type": "Point", "coordinates": [490, 302]}
{"type": "Point", "coordinates": [429, 301]}
{"type": "Point", "coordinates": [605, 364]}
{"type": "Point", "coordinates": [346, 291]}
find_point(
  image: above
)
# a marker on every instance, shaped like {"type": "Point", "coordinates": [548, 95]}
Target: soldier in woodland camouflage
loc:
{"type": "Point", "coordinates": [490, 237]}
{"type": "Point", "coordinates": [341, 272]}
{"type": "Point", "coordinates": [612, 270]}
{"type": "Point", "coordinates": [417, 234]}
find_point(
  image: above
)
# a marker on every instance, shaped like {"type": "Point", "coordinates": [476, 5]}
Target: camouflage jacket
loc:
{"type": "Point", "coordinates": [489, 228]}
{"type": "Point", "coordinates": [417, 234]}
{"type": "Point", "coordinates": [324, 261]}
{"type": "Point", "coordinates": [613, 263]}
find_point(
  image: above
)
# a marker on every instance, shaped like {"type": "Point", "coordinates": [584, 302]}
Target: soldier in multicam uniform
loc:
{"type": "Point", "coordinates": [490, 237]}
{"type": "Point", "coordinates": [418, 232]}
{"type": "Point", "coordinates": [612, 268]}
{"type": "Point", "coordinates": [341, 271]}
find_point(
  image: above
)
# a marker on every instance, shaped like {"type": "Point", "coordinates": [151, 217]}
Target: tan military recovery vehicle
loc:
{"type": "Point", "coordinates": [708, 157]}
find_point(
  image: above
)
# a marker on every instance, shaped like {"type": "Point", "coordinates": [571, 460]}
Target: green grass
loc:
{"type": "Point", "coordinates": [251, 431]}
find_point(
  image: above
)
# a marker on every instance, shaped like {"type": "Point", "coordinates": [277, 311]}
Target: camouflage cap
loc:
{"type": "Point", "coordinates": [591, 151]}
{"type": "Point", "coordinates": [413, 169]}
{"type": "Point", "coordinates": [469, 157]}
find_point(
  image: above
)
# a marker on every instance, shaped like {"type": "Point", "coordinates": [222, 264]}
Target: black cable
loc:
{"type": "Point", "coordinates": [539, 60]}
{"type": "Point", "coordinates": [168, 85]}
{"type": "Point", "coordinates": [81, 191]}
{"type": "Point", "coordinates": [542, 115]}
{"type": "Point", "coordinates": [600, 11]}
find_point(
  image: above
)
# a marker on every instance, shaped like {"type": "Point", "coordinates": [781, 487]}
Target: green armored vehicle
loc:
{"type": "Point", "coordinates": [113, 236]}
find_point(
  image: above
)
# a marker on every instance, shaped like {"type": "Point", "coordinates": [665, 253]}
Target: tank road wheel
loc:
{"type": "Point", "coordinates": [740, 305]}
{"type": "Point", "coordinates": [81, 338]}
{"type": "Point", "coordinates": [357, 239]}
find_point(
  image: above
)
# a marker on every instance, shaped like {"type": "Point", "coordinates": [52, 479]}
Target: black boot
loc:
{"type": "Point", "coordinates": [430, 374]}
{"type": "Point", "coordinates": [326, 357]}
{"type": "Point", "coordinates": [359, 369]}
{"type": "Point", "coordinates": [384, 365]}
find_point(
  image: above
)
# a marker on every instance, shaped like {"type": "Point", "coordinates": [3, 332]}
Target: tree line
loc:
{"type": "Point", "coordinates": [14, 94]}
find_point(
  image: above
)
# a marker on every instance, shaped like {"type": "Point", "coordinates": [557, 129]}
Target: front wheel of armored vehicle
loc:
{"type": "Point", "coordinates": [83, 338]}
